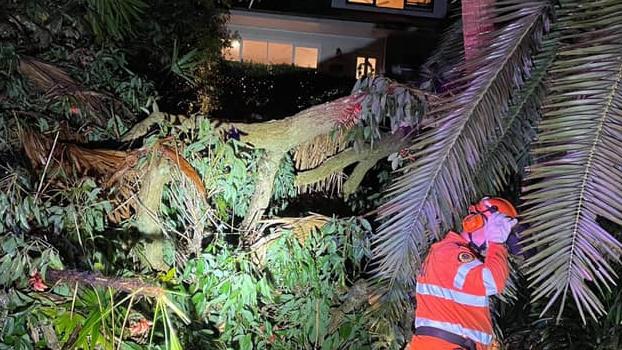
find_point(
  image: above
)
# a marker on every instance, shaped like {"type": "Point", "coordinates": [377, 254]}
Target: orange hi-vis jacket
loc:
{"type": "Point", "coordinates": [453, 290]}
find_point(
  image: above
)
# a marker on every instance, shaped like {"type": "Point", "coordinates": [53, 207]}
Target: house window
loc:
{"type": "Point", "coordinates": [306, 57]}
{"type": "Point", "coordinates": [255, 51]}
{"type": "Point", "coordinates": [365, 66]}
{"type": "Point", "coordinates": [392, 4]}
{"type": "Point", "coordinates": [267, 52]}
{"type": "Point", "coordinates": [280, 53]}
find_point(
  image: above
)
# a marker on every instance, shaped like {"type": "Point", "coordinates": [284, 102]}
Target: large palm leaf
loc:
{"type": "Point", "coordinates": [442, 66]}
{"type": "Point", "coordinates": [509, 153]}
{"type": "Point", "coordinates": [578, 176]}
{"type": "Point", "coordinates": [434, 190]}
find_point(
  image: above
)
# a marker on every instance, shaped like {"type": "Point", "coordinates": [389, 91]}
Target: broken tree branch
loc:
{"type": "Point", "coordinates": [285, 134]}
{"type": "Point", "coordinates": [366, 159]}
{"type": "Point", "coordinates": [128, 285]}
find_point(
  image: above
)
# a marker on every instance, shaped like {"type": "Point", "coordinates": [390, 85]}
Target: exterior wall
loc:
{"type": "Point", "coordinates": [338, 42]}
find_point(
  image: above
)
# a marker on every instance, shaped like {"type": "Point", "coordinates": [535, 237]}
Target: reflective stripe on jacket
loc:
{"type": "Point", "coordinates": [453, 288]}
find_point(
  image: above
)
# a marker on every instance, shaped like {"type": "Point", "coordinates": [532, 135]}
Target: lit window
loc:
{"type": "Point", "coordinates": [280, 53]}
{"type": "Point", "coordinates": [394, 4]}
{"type": "Point", "coordinates": [265, 52]}
{"type": "Point", "coordinates": [232, 53]}
{"type": "Point", "coordinates": [255, 51]}
{"type": "Point", "coordinates": [306, 57]}
{"type": "Point", "coordinates": [365, 66]}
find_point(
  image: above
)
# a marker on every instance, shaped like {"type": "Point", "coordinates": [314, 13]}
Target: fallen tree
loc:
{"type": "Point", "coordinates": [359, 130]}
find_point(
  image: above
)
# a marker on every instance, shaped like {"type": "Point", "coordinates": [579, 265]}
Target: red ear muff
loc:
{"type": "Point", "coordinates": [473, 222]}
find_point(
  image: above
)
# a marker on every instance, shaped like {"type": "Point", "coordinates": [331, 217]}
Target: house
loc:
{"type": "Point", "coordinates": [340, 37]}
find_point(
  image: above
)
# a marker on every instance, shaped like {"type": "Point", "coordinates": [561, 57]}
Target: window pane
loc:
{"type": "Point", "coordinates": [369, 2]}
{"type": "Point", "coordinates": [365, 68]}
{"type": "Point", "coordinates": [306, 57]}
{"type": "Point", "coordinates": [232, 53]}
{"type": "Point", "coordinates": [280, 53]}
{"type": "Point", "coordinates": [255, 51]}
{"type": "Point", "coordinates": [418, 2]}
{"type": "Point", "coordinates": [394, 4]}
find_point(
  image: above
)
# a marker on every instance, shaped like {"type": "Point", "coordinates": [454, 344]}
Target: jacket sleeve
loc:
{"type": "Point", "coordinates": [489, 277]}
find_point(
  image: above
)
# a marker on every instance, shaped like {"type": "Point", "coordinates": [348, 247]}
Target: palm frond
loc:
{"type": "Point", "coordinates": [577, 175]}
{"type": "Point", "coordinates": [441, 67]}
{"type": "Point", "coordinates": [114, 18]}
{"type": "Point", "coordinates": [58, 85]}
{"type": "Point", "coordinates": [509, 153]}
{"type": "Point", "coordinates": [433, 191]}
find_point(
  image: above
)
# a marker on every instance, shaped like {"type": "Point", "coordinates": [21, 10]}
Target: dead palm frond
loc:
{"type": "Point", "coordinates": [431, 195]}
{"type": "Point", "coordinates": [302, 228]}
{"type": "Point", "coordinates": [58, 85]}
{"type": "Point", "coordinates": [118, 171]}
{"type": "Point", "coordinates": [577, 176]}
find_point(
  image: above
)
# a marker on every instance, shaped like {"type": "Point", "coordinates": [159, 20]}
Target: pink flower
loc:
{"type": "Point", "coordinates": [36, 282]}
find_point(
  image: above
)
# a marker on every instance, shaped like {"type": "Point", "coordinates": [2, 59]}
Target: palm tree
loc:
{"type": "Point", "coordinates": [542, 98]}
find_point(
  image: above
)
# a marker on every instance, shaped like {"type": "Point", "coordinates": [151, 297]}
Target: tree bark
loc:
{"type": "Point", "coordinates": [277, 137]}
{"type": "Point", "coordinates": [475, 14]}
{"type": "Point", "coordinates": [285, 134]}
{"type": "Point", "coordinates": [366, 159]}
{"type": "Point", "coordinates": [128, 285]}
{"type": "Point", "coordinates": [266, 173]}
{"type": "Point", "coordinates": [150, 198]}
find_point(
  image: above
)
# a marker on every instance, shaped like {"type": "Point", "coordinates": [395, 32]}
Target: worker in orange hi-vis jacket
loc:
{"type": "Point", "coordinates": [457, 278]}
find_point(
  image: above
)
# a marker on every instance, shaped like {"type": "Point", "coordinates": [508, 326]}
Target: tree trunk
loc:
{"type": "Point", "coordinates": [266, 173]}
{"type": "Point", "coordinates": [150, 198]}
{"type": "Point", "coordinates": [475, 21]}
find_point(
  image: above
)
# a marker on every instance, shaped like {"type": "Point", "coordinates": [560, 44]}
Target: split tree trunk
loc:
{"type": "Point", "coordinates": [150, 198]}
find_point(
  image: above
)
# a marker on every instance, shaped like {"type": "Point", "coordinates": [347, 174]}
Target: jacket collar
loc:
{"type": "Point", "coordinates": [455, 237]}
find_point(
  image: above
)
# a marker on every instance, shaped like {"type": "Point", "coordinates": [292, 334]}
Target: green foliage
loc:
{"type": "Point", "coordinates": [235, 300]}
{"type": "Point", "coordinates": [226, 169]}
{"type": "Point", "coordinates": [83, 213]}
{"type": "Point", "coordinates": [10, 84]}
{"type": "Point", "coordinates": [284, 185]}
{"type": "Point", "coordinates": [386, 107]}
{"type": "Point", "coordinates": [17, 204]}
{"type": "Point", "coordinates": [289, 302]}
{"type": "Point", "coordinates": [113, 19]}
{"type": "Point", "coordinates": [20, 257]}
{"type": "Point", "coordinates": [18, 321]}
{"type": "Point", "coordinates": [108, 70]}
{"type": "Point", "coordinates": [185, 65]}
{"type": "Point", "coordinates": [78, 209]}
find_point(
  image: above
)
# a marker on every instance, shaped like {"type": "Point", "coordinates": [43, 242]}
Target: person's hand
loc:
{"type": "Point", "coordinates": [498, 228]}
